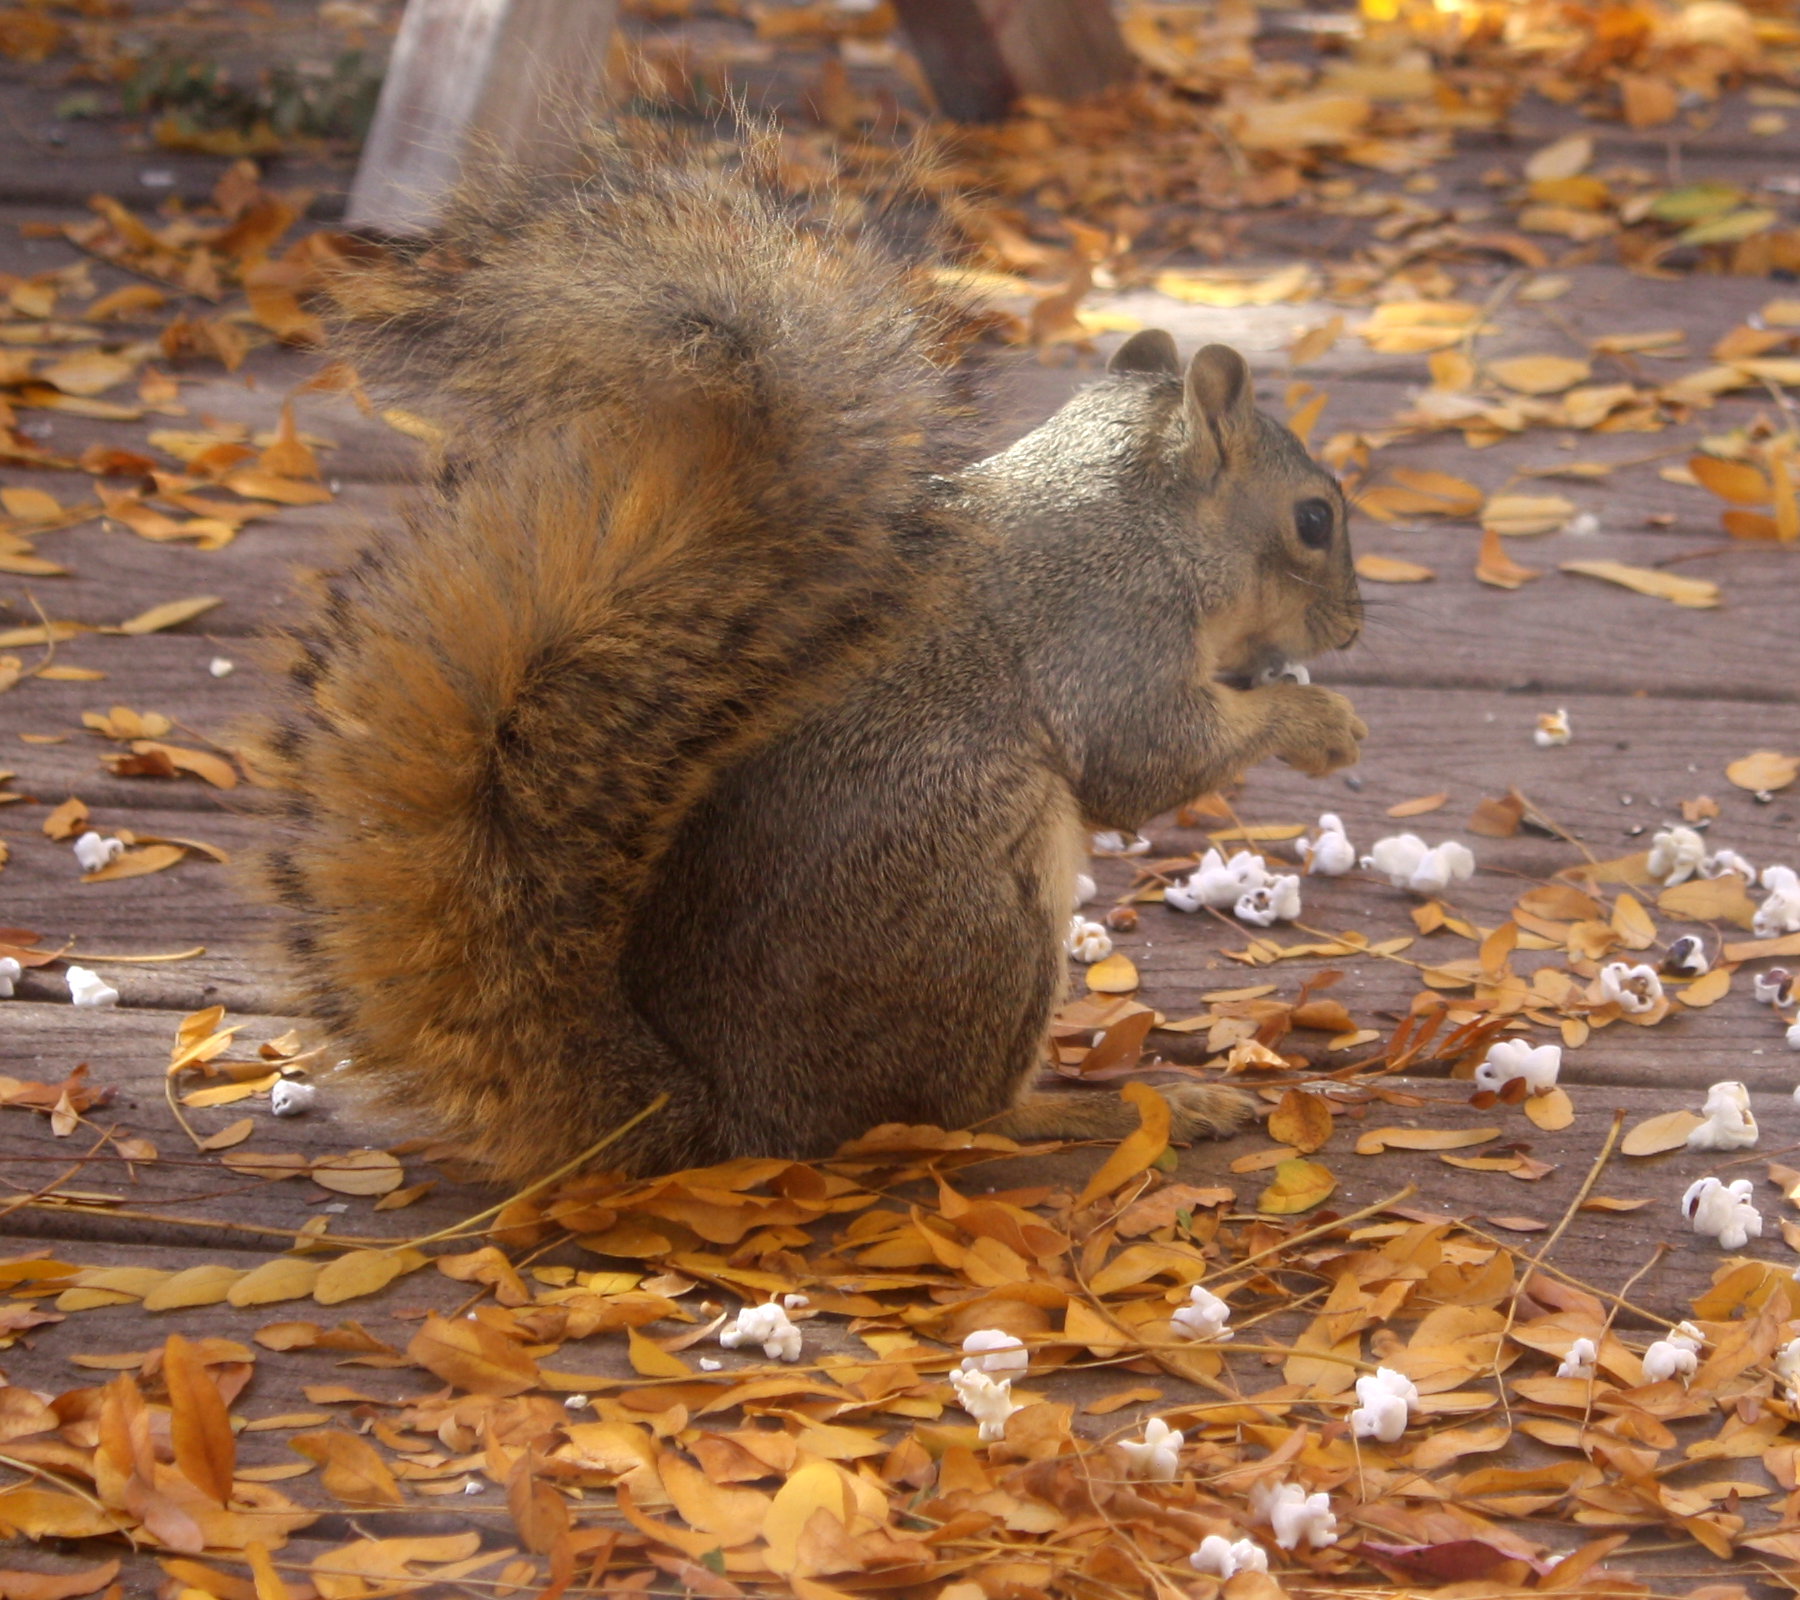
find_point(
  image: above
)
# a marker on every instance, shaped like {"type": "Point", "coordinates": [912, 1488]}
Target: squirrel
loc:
{"type": "Point", "coordinates": [713, 727]}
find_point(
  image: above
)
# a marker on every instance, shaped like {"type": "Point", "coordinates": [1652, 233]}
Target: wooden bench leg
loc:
{"type": "Point", "coordinates": [981, 55]}
{"type": "Point", "coordinates": [514, 77]}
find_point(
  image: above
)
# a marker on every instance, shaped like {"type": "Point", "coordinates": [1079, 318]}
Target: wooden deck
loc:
{"type": "Point", "coordinates": [1451, 677]}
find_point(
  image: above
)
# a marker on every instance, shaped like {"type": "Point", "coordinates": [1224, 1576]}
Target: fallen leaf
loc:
{"type": "Point", "coordinates": [1376, 568]}
{"type": "Point", "coordinates": [1695, 593]}
{"type": "Point", "coordinates": [1302, 1120]}
{"type": "Point", "coordinates": [1667, 1131]}
{"type": "Point", "coordinates": [1298, 1186]}
{"type": "Point", "coordinates": [1375, 1140]}
{"type": "Point", "coordinates": [1763, 771]}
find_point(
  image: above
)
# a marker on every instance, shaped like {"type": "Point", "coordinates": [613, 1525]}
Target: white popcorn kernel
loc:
{"type": "Point", "coordinates": [1276, 901]}
{"type": "Point", "coordinates": [1157, 1456]}
{"type": "Point", "coordinates": [1087, 941]}
{"type": "Point", "coordinates": [1675, 856]}
{"type": "Point", "coordinates": [1218, 883]}
{"type": "Point", "coordinates": [1285, 672]}
{"type": "Point", "coordinates": [1388, 1399]}
{"type": "Point", "coordinates": [1687, 957]}
{"type": "Point", "coordinates": [1331, 854]}
{"type": "Point", "coordinates": [1396, 857]}
{"type": "Point", "coordinates": [10, 973]}
{"type": "Point", "coordinates": [1773, 987]}
{"type": "Point", "coordinates": [1507, 1059]}
{"type": "Point", "coordinates": [707, 1364]}
{"type": "Point", "coordinates": [1579, 1362]}
{"type": "Point", "coordinates": [1407, 862]}
{"type": "Point", "coordinates": [994, 1350]}
{"type": "Point", "coordinates": [988, 1400]}
{"type": "Point", "coordinates": [221, 667]}
{"type": "Point", "coordinates": [1553, 729]}
{"type": "Point", "coordinates": [795, 1302]}
{"type": "Point", "coordinates": [1085, 889]}
{"type": "Point", "coordinates": [1633, 989]}
{"type": "Point", "coordinates": [1295, 1516]}
{"type": "Point", "coordinates": [90, 989]}
{"type": "Point", "coordinates": [1583, 526]}
{"type": "Point", "coordinates": [94, 850]}
{"type": "Point", "coordinates": [291, 1098]}
{"type": "Point", "coordinates": [1675, 1356]}
{"type": "Point", "coordinates": [1725, 1212]}
{"type": "Point", "coordinates": [1716, 866]}
{"type": "Point", "coordinates": [1204, 1317]}
{"type": "Point", "coordinates": [767, 1326]}
{"type": "Point", "coordinates": [1793, 1035]}
{"type": "Point", "coordinates": [472, 1486]}
{"type": "Point", "coordinates": [575, 1402]}
{"type": "Point", "coordinates": [1729, 1123]}
{"type": "Point", "coordinates": [1226, 1558]}
{"type": "Point", "coordinates": [1787, 1369]}
{"type": "Point", "coordinates": [1116, 844]}
{"type": "Point", "coordinates": [1780, 913]}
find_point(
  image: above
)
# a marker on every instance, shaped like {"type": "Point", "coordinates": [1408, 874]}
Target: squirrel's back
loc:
{"type": "Point", "coordinates": [690, 446]}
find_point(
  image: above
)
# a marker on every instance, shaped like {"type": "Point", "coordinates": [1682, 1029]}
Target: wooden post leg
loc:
{"type": "Point", "coordinates": [981, 55]}
{"type": "Point", "coordinates": [510, 77]}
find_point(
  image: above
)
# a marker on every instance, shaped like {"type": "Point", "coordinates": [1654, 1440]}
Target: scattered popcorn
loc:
{"type": "Point", "coordinates": [1729, 1124]}
{"type": "Point", "coordinates": [90, 989]}
{"type": "Point", "coordinates": [1294, 1515]}
{"type": "Point", "coordinates": [707, 1364]}
{"type": "Point", "coordinates": [1634, 990]}
{"type": "Point", "coordinates": [1793, 1033]}
{"type": "Point", "coordinates": [575, 1402]}
{"type": "Point", "coordinates": [1675, 1355]}
{"type": "Point", "coordinates": [220, 667]}
{"type": "Point", "coordinates": [1157, 1456]}
{"type": "Point", "coordinates": [1579, 1362]}
{"type": "Point", "coordinates": [1286, 672]}
{"type": "Point", "coordinates": [1772, 988]}
{"type": "Point", "coordinates": [1723, 1212]}
{"type": "Point", "coordinates": [1407, 862]}
{"type": "Point", "coordinates": [94, 850]}
{"type": "Point", "coordinates": [1087, 941]}
{"type": "Point", "coordinates": [291, 1098]}
{"type": "Point", "coordinates": [994, 1350]}
{"type": "Point", "coordinates": [1676, 855]}
{"type": "Point", "coordinates": [1276, 901]}
{"type": "Point", "coordinates": [1787, 1368]}
{"type": "Point", "coordinates": [10, 973]}
{"type": "Point", "coordinates": [795, 1302]}
{"type": "Point", "coordinates": [1226, 1558]}
{"type": "Point", "coordinates": [987, 1400]}
{"type": "Point", "coordinates": [1205, 1316]}
{"type": "Point", "coordinates": [1584, 526]}
{"type": "Point", "coordinates": [1116, 844]}
{"type": "Point", "coordinates": [1331, 854]}
{"type": "Point", "coordinates": [1686, 957]}
{"type": "Point", "coordinates": [767, 1326]}
{"type": "Point", "coordinates": [1507, 1059]}
{"type": "Point", "coordinates": [1553, 728]}
{"type": "Point", "coordinates": [1780, 913]}
{"type": "Point", "coordinates": [1217, 882]}
{"type": "Point", "coordinates": [1085, 889]}
{"type": "Point", "coordinates": [473, 1486]}
{"type": "Point", "coordinates": [1716, 866]}
{"type": "Point", "coordinates": [1388, 1398]}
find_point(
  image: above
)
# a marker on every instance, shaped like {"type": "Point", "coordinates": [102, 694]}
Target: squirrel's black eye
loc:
{"type": "Point", "coordinates": [1313, 521]}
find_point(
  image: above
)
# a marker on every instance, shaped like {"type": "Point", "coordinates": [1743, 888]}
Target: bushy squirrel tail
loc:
{"type": "Point", "coordinates": [690, 438]}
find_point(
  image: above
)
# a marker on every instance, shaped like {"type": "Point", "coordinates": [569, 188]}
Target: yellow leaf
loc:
{"type": "Point", "coordinates": [1114, 975]}
{"type": "Point", "coordinates": [1654, 1135]}
{"type": "Point", "coordinates": [1764, 770]}
{"type": "Point", "coordinates": [1707, 988]}
{"type": "Point", "coordinates": [1515, 515]}
{"type": "Point", "coordinates": [358, 1172]}
{"type": "Point", "coordinates": [1376, 1140]}
{"type": "Point", "coordinates": [1563, 158]}
{"type": "Point", "coordinates": [650, 1360]}
{"type": "Point", "coordinates": [472, 1356]}
{"type": "Point", "coordinates": [197, 1286]}
{"type": "Point", "coordinates": [233, 1133]}
{"type": "Point", "coordinates": [137, 863]}
{"type": "Point", "coordinates": [168, 615]}
{"type": "Point", "coordinates": [1632, 924]}
{"type": "Point", "coordinates": [1736, 481]}
{"type": "Point", "coordinates": [1694, 593]}
{"type": "Point", "coordinates": [89, 372]}
{"type": "Point", "coordinates": [353, 1471]}
{"type": "Point", "coordinates": [1302, 1120]}
{"type": "Point", "coordinates": [1137, 1149]}
{"type": "Point", "coordinates": [284, 1278]}
{"type": "Point", "coordinates": [1298, 1186]}
{"type": "Point", "coordinates": [1373, 568]}
{"type": "Point", "coordinates": [1540, 374]}
{"type": "Point", "coordinates": [1552, 1111]}
{"type": "Point", "coordinates": [199, 1425]}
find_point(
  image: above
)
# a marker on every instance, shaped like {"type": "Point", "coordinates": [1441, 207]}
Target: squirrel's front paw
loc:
{"type": "Point", "coordinates": [1321, 730]}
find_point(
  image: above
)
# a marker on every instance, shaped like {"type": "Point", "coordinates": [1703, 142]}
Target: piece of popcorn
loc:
{"type": "Point", "coordinates": [1553, 729]}
{"type": "Point", "coordinates": [95, 850]}
{"type": "Point", "coordinates": [1579, 1362]}
{"type": "Point", "coordinates": [1226, 1558]}
{"type": "Point", "coordinates": [994, 1350]}
{"type": "Point", "coordinates": [1217, 882]}
{"type": "Point", "coordinates": [1787, 1369]}
{"type": "Point", "coordinates": [1772, 988]}
{"type": "Point", "coordinates": [1407, 862]}
{"type": "Point", "coordinates": [1725, 1212]}
{"type": "Point", "coordinates": [290, 1097]}
{"type": "Point", "coordinates": [1687, 957]}
{"type": "Point", "coordinates": [1116, 844]}
{"type": "Point", "coordinates": [1157, 1456]}
{"type": "Point", "coordinates": [1716, 866]}
{"type": "Point", "coordinates": [1779, 914]}
{"type": "Point", "coordinates": [1729, 1124]}
{"type": "Point", "coordinates": [1388, 1399]}
{"type": "Point", "coordinates": [1087, 941]}
{"type": "Point", "coordinates": [1295, 1516]}
{"type": "Point", "coordinates": [90, 989]}
{"type": "Point", "coordinates": [221, 667]}
{"type": "Point", "coordinates": [1331, 855]}
{"type": "Point", "coordinates": [1204, 1317]}
{"type": "Point", "coordinates": [1793, 1033]}
{"type": "Point", "coordinates": [1085, 889]}
{"type": "Point", "coordinates": [1507, 1059]}
{"type": "Point", "coordinates": [795, 1302]}
{"type": "Point", "coordinates": [768, 1326]}
{"type": "Point", "coordinates": [1277, 901]}
{"type": "Point", "coordinates": [1286, 672]}
{"type": "Point", "coordinates": [10, 973]}
{"type": "Point", "coordinates": [1675, 856]}
{"type": "Point", "coordinates": [1674, 1356]}
{"type": "Point", "coordinates": [1633, 989]}
{"type": "Point", "coordinates": [988, 1400]}
{"type": "Point", "coordinates": [1396, 857]}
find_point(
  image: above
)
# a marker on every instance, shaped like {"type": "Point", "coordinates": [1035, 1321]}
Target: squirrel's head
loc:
{"type": "Point", "coordinates": [1267, 526]}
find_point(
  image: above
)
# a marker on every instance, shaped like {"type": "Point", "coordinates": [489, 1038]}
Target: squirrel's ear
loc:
{"type": "Point", "coordinates": [1221, 400]}
{"type": "Point", "coordinates": [1149, 351]}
